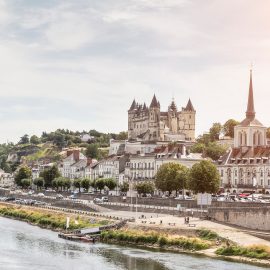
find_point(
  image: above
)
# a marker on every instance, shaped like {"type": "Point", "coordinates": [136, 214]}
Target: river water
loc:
{"type": "Point", "coordinates": [27, 247]}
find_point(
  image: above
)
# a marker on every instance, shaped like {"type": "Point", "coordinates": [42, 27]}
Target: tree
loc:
{"type": "Point", "coordinates": [23, 173]}
{"type": "Point", "coordinates": [93, 184]}
{"type": "Point", "coordinates": [100, 184]}
{"type": "Point", "coordinates": [39, 182]}
{"type": "Point", "coordinates": [171, 176]}
{"type": "Point", "coordinates": [145, 187]}
{"type": "Point", "coordinates": [110, 183]}
{"type": "Point", "coordinates": [77, 183]}
{"type": "Point", "coordinates": [59, 139]}
{"type": "Point", "coordinates": [24, 139]}
{"type": "Point", "coordinates": [67, 183]}
{"type": "Point", "coordinates": [215, 131]}
{"type": "Point", "coordinates": [85, 183]}
{"type": "Point", "coordinates": [197, 148]}
{"type": "Point", "coordinates": [25, 183]}
{"type": "Point", "coordinates": [214, 151]}
{"type": "Point", "coordinates": [34, 139]}
{"type": "Point", "coordinates": [204, 139]}
{"type": "Point", "coordinates": [49, 175]}
{"type": "Point", "coordinates": [92, 151]}
{"type": "Point", "coordinates": [228, 127]}
{"type": "Point", "coordinates": [123, 135]}
{"type": "Point", "coordinates": [124, 187]}
{"type": "Point", "coordinates": [204, 177]}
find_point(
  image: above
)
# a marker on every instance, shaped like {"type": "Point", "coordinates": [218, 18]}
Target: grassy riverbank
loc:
{"type": "Point", "coordinates": [154, 239]}
{"type": "Point", "coordinates": [256, 251]}
{"type": "Point", "coordinates": [49, 219]}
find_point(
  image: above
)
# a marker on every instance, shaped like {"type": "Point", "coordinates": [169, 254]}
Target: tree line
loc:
{"type": "Point", "coordinates": [51, 177]}
{"type": "Point", "coordinates": [170, 177]}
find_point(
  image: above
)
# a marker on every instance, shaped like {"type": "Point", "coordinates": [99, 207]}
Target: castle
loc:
{"type": "Point", "coordinates": [150, 124]}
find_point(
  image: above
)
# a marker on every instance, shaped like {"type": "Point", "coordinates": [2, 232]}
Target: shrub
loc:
{"type": "Point", "coordinates": [258, 252]}
{"type": "Point", "coordinates": [208, 235]}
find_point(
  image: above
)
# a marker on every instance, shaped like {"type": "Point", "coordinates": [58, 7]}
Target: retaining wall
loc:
{"type": "Point", "coordinates": [256, 218]}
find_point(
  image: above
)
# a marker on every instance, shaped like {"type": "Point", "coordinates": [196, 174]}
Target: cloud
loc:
{"type": "Point", "coordinates": [78, 64]}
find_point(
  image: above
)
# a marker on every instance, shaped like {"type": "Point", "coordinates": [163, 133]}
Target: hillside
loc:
{"type": "Point", "coordinates": [49, 147]}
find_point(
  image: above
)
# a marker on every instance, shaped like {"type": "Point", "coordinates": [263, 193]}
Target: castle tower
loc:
{"type": "Point", "coordinates": [172, 118]}
{"type": "Point", "coordinates": [154, 118]}
{"type": "Point", "coordinates": [131, 113]}
{"type": "Point", "coordinates": [187, 121]}
{"type": "Point", "coordinates": [250, 132]}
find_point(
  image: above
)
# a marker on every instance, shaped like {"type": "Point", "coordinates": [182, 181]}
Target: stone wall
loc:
{"type": "Point", "coordinates": [256, 218]}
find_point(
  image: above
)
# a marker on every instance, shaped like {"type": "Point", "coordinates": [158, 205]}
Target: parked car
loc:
{"type": "Point", "coordinates": [183, 197]}
{"type": "Point", "coordinates": [40, 194]}
{"type": "Point", "coordinates": [105, 199]}
{"type": "Point", "coordinates": [98, 200]}
{"type": "Point", "coordinates": [59, 196]}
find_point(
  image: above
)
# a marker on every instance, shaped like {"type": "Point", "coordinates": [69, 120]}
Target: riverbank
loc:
{"type": "Point", "coordinates": [196, 241]}
{"type": "Point", "coordinates": [47, 219]}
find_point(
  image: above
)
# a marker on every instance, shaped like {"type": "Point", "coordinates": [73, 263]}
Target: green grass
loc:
{"type": "Point", "coordinates": [258, 252]}
{"type": "Point", "coordinates": [48, 219]}
{"type": "Point", "coordinates": [153, 238]}
{"type": "Point", "coordinates": [207, 234]}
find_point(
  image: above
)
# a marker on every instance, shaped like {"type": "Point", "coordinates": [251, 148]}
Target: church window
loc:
{"type": "Point", "coordinates": [261, 173]}
{"type": "Point", "coordinates": [235, 173]}
{"type": "Point", "coordinates": [261, 182]}
{"type": "Point", "coordinates": [268, 182]}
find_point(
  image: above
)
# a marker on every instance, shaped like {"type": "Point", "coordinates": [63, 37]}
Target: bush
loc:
{"type": "Point", "coordinates": [153, 238]}
{"type": "Point", "coordinates": [208, 235]}
{"type": "Point", "coordinates": [258, 252]}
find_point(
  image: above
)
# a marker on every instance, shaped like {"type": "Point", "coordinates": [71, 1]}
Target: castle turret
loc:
{"type": "Point", "coordinates": [172, 118]}
{"type": "Point", "coordinates": [187, 121]}
{"type": "Point", "coordinates": [131, 113]}
{"type": "Point", "coordinates": [154, 118]}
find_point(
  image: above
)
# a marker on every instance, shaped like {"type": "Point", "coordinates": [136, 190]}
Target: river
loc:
{"type": "Point", "coordinates": [27, 247]}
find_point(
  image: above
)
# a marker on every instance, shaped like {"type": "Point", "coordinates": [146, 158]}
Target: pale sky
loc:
{"type": "Point", "coordinates": [78, 64]}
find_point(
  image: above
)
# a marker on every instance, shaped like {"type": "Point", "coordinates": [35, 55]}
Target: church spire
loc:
{"type": "Point", "coordinates": [250, 113]}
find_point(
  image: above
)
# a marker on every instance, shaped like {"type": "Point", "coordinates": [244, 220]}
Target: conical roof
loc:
{"type": "Point", "coordinates": [154, 102]}
{"type": "Point", "coordinates": [189, 106]}
{"type": "Point", "coordinates": [250, 113]}
{"type": "Point", "coordinates": [250, 119]}
{"type": "Point", "coordinates": [133, 105]}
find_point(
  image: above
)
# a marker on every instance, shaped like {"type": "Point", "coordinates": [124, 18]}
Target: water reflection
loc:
{"type": "Point", "coordinates": [24, 247]}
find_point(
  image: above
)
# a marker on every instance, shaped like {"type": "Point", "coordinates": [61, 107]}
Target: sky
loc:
{"type": "Point", "coordinates": [78, 64]}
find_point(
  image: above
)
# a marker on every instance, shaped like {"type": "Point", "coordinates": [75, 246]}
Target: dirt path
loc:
{"type": "Point", "coordinates": [236, 235]}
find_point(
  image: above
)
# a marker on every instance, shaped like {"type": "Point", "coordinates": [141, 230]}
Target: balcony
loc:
{"type": "Point", "coordinates": [249, 186]}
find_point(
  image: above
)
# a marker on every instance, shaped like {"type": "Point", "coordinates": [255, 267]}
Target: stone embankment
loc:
{"type": "Point", "coordinates": [256, 218]}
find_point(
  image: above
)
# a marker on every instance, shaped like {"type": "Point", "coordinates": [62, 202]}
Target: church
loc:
{"type": "Point", "coordinates": [150, 124]}
{"type": "Point", "coordinates": [246, 166]}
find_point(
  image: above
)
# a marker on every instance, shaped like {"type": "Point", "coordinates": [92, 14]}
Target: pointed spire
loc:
{"type": "Point", "coordinates": [154, 102]}
{"type": "Point", "coordinates": [133, 105]}
{"type": "Point", "coordinates": [189, 106]}
{"type": "Point", "coordinates": [250, 113]}
{"type": "Point", "coordinates": [173, 106]}
{"type": "Point", "coordinates": [144, 106]}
